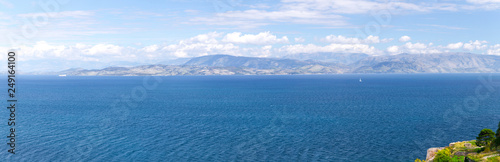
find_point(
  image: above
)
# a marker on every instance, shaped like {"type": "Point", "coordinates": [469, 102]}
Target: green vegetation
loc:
{"type": "Point", "coordinates": [485, 137]}
{"type": "Point", "coordinates": [418, 160]}
{"type": "Point", "coordinates": [473, 142]}
{"type": "Point", "coordinates": [458, 158]}
{"type": "Point", "coordinates": [483, 149]}
{"type": "Point", "coordinates": [478, 150]}
{"type": "Point", "coordinates": [476, 157]}
{"type": "Point", "coordinates": [494, 159]}
{"type": "Point", "coordinates": [443, 155]}
{"type": "Point", "coordinates": [496, 142]}
{"type": "Point", "coordinates": [498, 130]}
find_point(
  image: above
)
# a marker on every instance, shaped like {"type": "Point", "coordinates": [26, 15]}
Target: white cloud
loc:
{"type": "Point", "coordinates": [104, 49]}
{"type": "Point", "coordinates": [347, 40]}
{"type": "Point", "coordinates": [265, 51]}
{"type": "Point", "coordinates": [494, 50]}
{"type": "Point", "coordinates": [337, 48]}
{"type": "Point", "coordinates": [410, 45]}
{"type": "Point", "coordinates": [203, 38]}
{"type": "Point", "coordinates": [199, 45]}
{"type": "Point", "coordinates": [421, 48]}
{"type": "Point", "coordinates": [404, 38]}
{"type": "Point", "coordinates": [455, 45]}
{"type": "Point", "coordinates": [393, 49]}
{"type": "Point", "coordinates": [151, 48]}
{"type": "Point", "coordinates": [263, 38]}
{"type": "Point", "coordinates": [376, 39]}
{"type": "Point", "coordinates": [42, 49]}
{"type": "Point", "coordinates": [220, 43]}
{"type": "Point", "coordinates": [414, 48]}
{"type": "Point", "coordinates": [476, 45]}
{"type": "Point", "coordinates": [199, 49]}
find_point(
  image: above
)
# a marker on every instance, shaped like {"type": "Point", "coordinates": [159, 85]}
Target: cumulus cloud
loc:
{"type": "Point", "coordinates": [265, 51]}
{"type": "Point", "coordinates": [199, 45]}
{"type": "Point", "coordinates": [151, 48]}
{"type": "Point", "coordinates": [336, 48]}
{"type": "Point", "coordinates": [421, 48]}
{"type": "Point", "coordinates": [199, 49]}
{"type": "Point", "coordinates": [414, 48]}
{"type": "Point", "coordinates": [259, 39]}
{"type": "Point", "coordinates": [104, 49]}
{"type": "Point", "coordinates": [393, 49]}
{"type": "Point", "coordinates": [404, 38]}
{"type": "Point", "coordinates": [494, 50]}
{"type": "Point", "coordinates": [347, 40]}
{"type": "Point", "coordinates": [42, 49]}
{"type": "Point", "coordinates": [476, 45]}
{"type": "Point", "coordinates": [204, 38]}
{"type": "Point", "coordinates": [203, 44]}
{"type": "Point", "coordinates": [45, 50]}
{"type": "Point", "coordinates": [216, 43]}
{"type": "Point", "coordinates": [455, 45]}
{"type": "Point", "coordinates": [263, 44]}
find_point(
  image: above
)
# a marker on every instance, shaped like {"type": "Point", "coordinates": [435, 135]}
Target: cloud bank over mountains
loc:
{"type": "Point", "coordinates": [264, 44]}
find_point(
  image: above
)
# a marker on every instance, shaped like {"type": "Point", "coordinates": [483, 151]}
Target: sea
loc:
{"type": "Point", "coordinates": [385, 117]}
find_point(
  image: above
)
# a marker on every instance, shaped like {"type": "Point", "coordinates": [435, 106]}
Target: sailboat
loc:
{"type": "Point", "coordinates": [360, 80]}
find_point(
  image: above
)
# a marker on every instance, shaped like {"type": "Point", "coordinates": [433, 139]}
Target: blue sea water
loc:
{"type": "Point", "coordinates": [387, 117]}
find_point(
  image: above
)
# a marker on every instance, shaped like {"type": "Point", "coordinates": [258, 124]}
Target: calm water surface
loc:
{"type": "Point", "coordinates": [393, 117]}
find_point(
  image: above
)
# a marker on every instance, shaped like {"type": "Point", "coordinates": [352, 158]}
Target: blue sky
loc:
{"type": "Point", "coordinates": [96, 34]}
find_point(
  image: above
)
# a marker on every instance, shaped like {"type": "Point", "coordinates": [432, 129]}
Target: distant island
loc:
{"type": "Point", "coordinates": [484, 148]}
{"type": "Point", "coordinates": [320, 63]}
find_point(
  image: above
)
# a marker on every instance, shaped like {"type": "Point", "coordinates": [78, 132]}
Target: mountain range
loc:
{"type": "Point", "coordinates": [319, 63]}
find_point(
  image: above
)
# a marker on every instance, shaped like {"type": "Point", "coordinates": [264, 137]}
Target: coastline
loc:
{"type": "Point", "coordinates": [464, 151]}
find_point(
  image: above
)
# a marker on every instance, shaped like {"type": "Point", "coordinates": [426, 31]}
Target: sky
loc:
{"type": "Point", "coordinates": [54, 35]}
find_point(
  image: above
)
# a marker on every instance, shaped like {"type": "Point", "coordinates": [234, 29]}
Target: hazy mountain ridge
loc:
{"type": "Point", "coordinates": [429, 63]}
{"type": "Point", "coordinates": [168, 70]}
{"type": "Point", "coordinates": [340, 58]}
{"type": "Point", "coordinates": [250, 62]}
{"type": "Point", "coordinates": [236, 65]}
